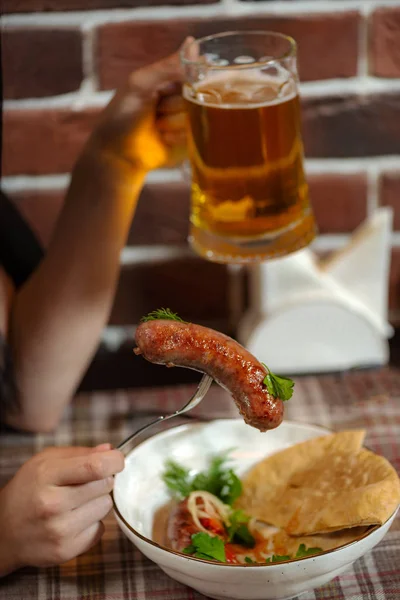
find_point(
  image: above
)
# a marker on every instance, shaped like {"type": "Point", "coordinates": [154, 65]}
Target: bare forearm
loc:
{"type": "Point", "coordinates": [8, 561]}
{"type": "Point", "coordinates": [7, 564]}
{"type": "Point", "coordinates": [59, 314]}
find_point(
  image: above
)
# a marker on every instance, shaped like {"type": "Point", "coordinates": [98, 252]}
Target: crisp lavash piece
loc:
{"type": "Point", "coordinates": [265, 485]}
{"type": "Point", "coordinates": [285, 544]}
{"type": "Point", "coordinates": [322, 485]}
{"type": "Point", "coordinates": [357, 490]}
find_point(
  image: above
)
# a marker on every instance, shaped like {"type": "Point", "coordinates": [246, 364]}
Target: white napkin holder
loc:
{"type": "Point", "coordinates": [309, 315]}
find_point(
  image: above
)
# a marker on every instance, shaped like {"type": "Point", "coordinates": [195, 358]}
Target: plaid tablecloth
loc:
{"type": "Point", "coordinates": [115, 570]}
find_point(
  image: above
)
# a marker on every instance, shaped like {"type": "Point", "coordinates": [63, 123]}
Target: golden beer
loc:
{"type": "Point", "coordinates": [249, 193]}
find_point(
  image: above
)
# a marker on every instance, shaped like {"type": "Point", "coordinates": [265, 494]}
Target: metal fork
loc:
{"type": "Point", "coordinates": [197, 397]}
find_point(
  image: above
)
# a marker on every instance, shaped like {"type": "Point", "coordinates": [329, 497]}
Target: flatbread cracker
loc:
{"type": "Point", "coordinates": [323, 485]}
{"type": "Point", "coordinates": [286, 544]}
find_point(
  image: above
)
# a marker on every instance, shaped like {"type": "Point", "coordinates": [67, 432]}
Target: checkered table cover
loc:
{"type": "Point", "coordinates": [116, 570]}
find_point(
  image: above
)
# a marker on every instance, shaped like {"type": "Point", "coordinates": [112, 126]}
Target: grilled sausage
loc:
{"type": "Point", "coordinates": [180, 527]}
{"type": "Point", "coordinates": [173, 343]}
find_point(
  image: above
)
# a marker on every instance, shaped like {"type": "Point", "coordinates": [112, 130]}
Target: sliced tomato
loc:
{"type": "Point", "coordinates": [230, 555]}
{"type": "Point", "coordinates": [212, 525]}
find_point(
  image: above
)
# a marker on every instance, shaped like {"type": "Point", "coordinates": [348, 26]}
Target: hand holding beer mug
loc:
{"type": "Point", "coordinates": [249, 199]}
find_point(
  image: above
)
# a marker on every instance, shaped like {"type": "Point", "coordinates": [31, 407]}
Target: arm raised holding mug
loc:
{"type": "Point", "coordinates": [58, 314]}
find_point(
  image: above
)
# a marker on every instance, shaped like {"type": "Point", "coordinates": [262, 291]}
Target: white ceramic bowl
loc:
{"type": "Point", "coordinates": [139, 492]}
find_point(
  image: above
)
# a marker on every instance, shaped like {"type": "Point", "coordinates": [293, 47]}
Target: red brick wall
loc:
{"type": "Point", "coordinates": [61, 58]}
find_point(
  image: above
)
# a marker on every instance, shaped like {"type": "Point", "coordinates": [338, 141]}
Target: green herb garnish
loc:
{"type": "Point", "coordinates": [243, 537]}
{"type": "Point", "coordinates": [162, 313]}
{"type": "Point", "coordinates": [238, 531]}
{"type": "Point", "coordinates": [303, 551]}
{"type": "Point", "coordinates": [177, 479]}
{"type": "Point", "coordinates": [218, 480]}
{"type": "Point", "coordinates": [207, 547]}
{"type": "Point", "coordinates": [278, 387]}
{"type": "Point", "coordinates": [277, 558]}
{"type": "Point", "coordinates": [213, 548]}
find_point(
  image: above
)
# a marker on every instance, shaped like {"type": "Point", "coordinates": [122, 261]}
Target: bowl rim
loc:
{"type": "Point", "coordinates": [369, 532]}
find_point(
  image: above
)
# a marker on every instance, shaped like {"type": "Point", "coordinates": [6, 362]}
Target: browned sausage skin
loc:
{"type": "Point", "coordinates": [180, 527]}
{"type": "Point", "coordinates": [173, 343]}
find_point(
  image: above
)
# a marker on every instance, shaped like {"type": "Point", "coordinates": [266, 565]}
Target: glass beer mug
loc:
{"type": "Point", "coordinates": [249, 199]}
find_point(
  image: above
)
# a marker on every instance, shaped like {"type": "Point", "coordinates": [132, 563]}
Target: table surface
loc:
{"type": "Point", "coordinates": [116, 570]}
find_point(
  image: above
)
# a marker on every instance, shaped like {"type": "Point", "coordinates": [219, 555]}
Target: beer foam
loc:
{"type": "Point", "coordinates": [240, 90]}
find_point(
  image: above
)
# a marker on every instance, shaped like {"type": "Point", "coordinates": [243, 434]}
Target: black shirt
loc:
{"type": "Point", "coordinates": [20, 251]}
{"type": "Point", "coordinates": [20, 254]}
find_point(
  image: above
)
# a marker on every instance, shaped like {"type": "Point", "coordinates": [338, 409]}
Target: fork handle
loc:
{"type": "Point", "coordinates": [124, 446]}
{"type": "Point", "coordinates": [197, 397]}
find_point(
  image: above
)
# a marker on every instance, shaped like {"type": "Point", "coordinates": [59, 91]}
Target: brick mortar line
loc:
{"type": "Point", "coordinates": [226, 7]}
{"type": "Point", "coordinates": [360, 85]}
{"type": "Point", "coordinates": [235, 294]}
{"type": "Point", "coordinates": [113, 336]}
{"type": "Point", "coordinates": [335, 241]}
{"type": "Point", "coordinates": [363, 58]}
{"type": "Point", "coordinates": [314, 166]}
{"type": "Point", "coordinates": [86, 97]}
{"type": "Point", "coordinates": [140, 255]}
{"type": "Point", "coordinates": [17, 183]}
{"type": "Point", "coordinates": [353, 165]}
{"type": "Point", "coordinates": [89, 84]}
{"type": "Point", "coordinates": [133, 255]}
{"type": "Point", "coordinates": [373, 175]}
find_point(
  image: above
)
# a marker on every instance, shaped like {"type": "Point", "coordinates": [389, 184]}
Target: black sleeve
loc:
{"type": "Point", "coordinates": [20, 254]}
{"type": "Point", "coordinates": [8, 389]}
{"type": "Point", "coordinates": [20, 251]}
